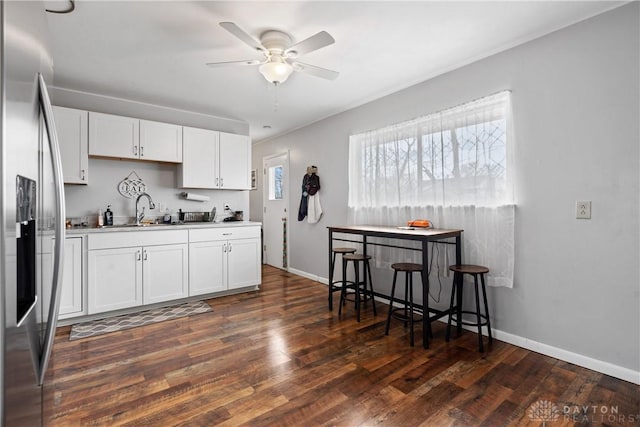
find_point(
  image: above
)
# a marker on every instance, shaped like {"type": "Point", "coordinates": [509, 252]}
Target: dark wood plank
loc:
{"type": "Point", "coordinates": [279, 357]}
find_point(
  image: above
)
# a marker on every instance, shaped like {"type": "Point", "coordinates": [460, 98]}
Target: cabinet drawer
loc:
{"type": "Point", "coordinates": [223, 233]}
{"type": "Point", "coordinates": [126, 239]}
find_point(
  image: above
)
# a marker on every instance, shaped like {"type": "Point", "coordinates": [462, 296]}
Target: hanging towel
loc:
{"type": "Point", "coordinates": [314, 209]}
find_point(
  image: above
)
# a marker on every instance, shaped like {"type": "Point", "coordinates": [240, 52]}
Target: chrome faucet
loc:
{"type": "Point", "coordinates": [140, 216]}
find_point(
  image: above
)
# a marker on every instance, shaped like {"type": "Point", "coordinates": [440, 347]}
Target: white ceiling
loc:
{"type": "Point", "coordinates": [155, 51]}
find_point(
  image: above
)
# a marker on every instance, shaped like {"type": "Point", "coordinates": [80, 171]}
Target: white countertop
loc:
{"type": "Point", "coordinates": [157, 227]}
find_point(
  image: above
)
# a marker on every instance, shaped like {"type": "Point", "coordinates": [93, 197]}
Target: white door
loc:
{"type": "Point", "coordinates": [235, 161]}
{"type": "Point", "coordinates": [72, 126]}
{"type": "Point", "coordinates": [243, 267]}
{"type": "Point", "coordinates": [206, 267]}
{"type": "Point", "coordinates": [115, 279]}
{"type": "Point", "coordinates": [274, 213]}
{"type": "Point", "coordinates": [114, 136]}
{"type": "Point", "coordinates": [164, 274]}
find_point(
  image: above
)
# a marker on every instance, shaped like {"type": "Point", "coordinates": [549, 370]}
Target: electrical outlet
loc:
{"type": "Point", "coordinates": [583, 210]}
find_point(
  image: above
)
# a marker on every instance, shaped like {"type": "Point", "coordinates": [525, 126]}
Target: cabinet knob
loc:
{"type": "Point", "coordinates": [230, 247]}
{"type": "Point", "coordinates": [146, 256]}
{"type": "Point", "coordinates": [138, 257]}
{"type": "Point", "coordinates": [221, 182]}
{"type": "Point", "coordinates": [141, 151]}
{"type": "Point", "coordinates": [135, 150]}
{"type": "Point", "coordinates": [224, 248]}
{"type": "Point", "coordinates": [82, 175]}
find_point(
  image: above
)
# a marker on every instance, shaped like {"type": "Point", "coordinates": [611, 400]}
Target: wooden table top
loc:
{"type": "Point", "coordinates": [398, 232]}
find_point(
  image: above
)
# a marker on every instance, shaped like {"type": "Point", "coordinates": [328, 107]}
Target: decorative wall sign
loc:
{"type": "Point", "coordinates": [132, 186]}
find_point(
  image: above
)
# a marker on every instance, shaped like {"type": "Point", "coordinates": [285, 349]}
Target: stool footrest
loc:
{"type": "Point", "coordinates": [454, 318]}
{"type": "Point", "coordinates": [417, 315]}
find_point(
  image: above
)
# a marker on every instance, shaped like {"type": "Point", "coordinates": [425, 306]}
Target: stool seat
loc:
{"type": "Point", "coordinates": [344, 250]}
{"type": "Point", "coordinates": [455, 309]}
{"type": "Point", "coordinates": [356, 257]}
{"type": "Point", "coordinates": [406, 266]}
{"type": "Point", "coordinates": [469, 269]}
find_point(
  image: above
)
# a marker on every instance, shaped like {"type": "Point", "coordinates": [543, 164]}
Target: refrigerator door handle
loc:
{"type": "Point", "coordinates": [58, 254]}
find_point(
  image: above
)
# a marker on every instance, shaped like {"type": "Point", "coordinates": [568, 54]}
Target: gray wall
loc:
{"type": "Point", "coordinates": [575, 96]}
{"type": "Point", "coordinates": [161, 178]}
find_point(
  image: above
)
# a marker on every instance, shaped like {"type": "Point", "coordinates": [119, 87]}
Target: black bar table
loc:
{"type": "Point", "coordinates": [423, 235]}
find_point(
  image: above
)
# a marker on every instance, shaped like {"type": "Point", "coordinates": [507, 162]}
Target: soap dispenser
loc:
{"type": "Point", "coordinates": [108, 216]}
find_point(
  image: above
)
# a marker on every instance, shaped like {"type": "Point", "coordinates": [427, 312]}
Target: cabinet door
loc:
{"type": "Point", "coordinates": [71, 295]}
{"type": "Point", "coordinates": [207, 267]}
{"type": "Point", "coordinates": [115, 279]}
{"type": "Point", "coordinates": [235, 162]}
{"type": "Point", "coordinates": [199, 167]}
{"type": "Point", "coordinates": [73, 135]}
{"type": "Point", "coordinates": [161, 142]}
{"type": "Point", "coordinates": [243, 262]}
{"type": "Point", "coordinates": [114, 136]}
{"type": "Point", "coordinates": [165, 274]}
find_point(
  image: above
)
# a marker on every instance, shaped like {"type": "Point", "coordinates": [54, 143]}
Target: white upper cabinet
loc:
{"type": "Point", "coordinates": [72, 127]}
{"type": "Point", "coordinates": [114, 136]}
{"type": "Point", "coordinates": [130, 138]}
{"type": "Point", "coordinates": [235, 162]}
{"type": "Point", "coordinates": [215, 160]}
{"type": "Point", "coordinates": [199, 167]}
{"type": "Point", "coordinates": [161, 142]}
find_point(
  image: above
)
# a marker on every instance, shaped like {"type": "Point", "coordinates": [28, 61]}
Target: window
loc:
{"type": "Point", "coordinates": [451, 167]}
{"type": "Point", "coordinates": [275, 183]}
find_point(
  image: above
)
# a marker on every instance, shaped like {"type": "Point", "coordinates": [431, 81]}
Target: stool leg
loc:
{"type": "Point", "coordinates": [459, 303]}
{"type": "Point", "coordinates": [451, 306]}
{"type": "Point", "coordinates": [356, 267]}
{"type": "Point", "coordinates": [331, 271]}
{"type": "Point", "coordinates": [486, 307]}
{"type": "Point", "coordinates": [425, 309]}
{"type": "Point", "coordinates": [343, 291]}
{"type": "Point", "coordinates": [373, 300]}
{"type": "Point", "coordinates": [406, 298]}
{"type": "Point", "coordinates": [410, 280]}
{"type": "Point", "coordinates": [478, 318]}
{"type": "Point", "coordinates": [393, 293]}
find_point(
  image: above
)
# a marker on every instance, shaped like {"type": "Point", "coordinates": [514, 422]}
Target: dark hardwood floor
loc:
{"type": "Point", "coordinates": [279, 357]}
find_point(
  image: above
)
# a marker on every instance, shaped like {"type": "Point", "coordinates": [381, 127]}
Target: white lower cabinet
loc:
{"type": "Point", "coordinates": [115, 279]}
{"type": "Point", "coordinates": [223, 258]}
{"type": "Point", "coordinates": [206, 268]}
{"type": "Point", "coordinates": [71, 294]}
{"type": "Point", "coordinates": [164, 273]}
{"type": "Point", "coordinates": [127, 269]}
{"type": "Point", "coordinates": [133, 268]}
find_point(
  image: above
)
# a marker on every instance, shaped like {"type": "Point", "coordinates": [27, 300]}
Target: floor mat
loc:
{"type": "Point", "coordinates": [127, 321]}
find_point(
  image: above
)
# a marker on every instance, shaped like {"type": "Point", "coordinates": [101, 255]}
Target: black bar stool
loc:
{"type": "Point", "coordinates": [356, 285]}
{"type": "Point", "coordinates": [406, 313]}
{"type": "Point", "coordinates": [481, 319]}
{"type": "Point", "coordinates": [332, 284]}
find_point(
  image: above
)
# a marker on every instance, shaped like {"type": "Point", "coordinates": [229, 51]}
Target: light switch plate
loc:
{"type": "Point", "coordinates": [583, 210]}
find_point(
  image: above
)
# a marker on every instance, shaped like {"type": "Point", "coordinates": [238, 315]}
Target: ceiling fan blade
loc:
{"type": "Point", "coordinates": [314, 42]}
{"type": "Point", "coordinates": [245, 62]}
{"type": "Point", "coordinates": [242, 35]}
{"type": "Point", "coordinates": [315, 71]}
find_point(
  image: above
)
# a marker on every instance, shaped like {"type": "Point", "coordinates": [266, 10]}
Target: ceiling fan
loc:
{"type": "Point", "coordinates": [279, 54]}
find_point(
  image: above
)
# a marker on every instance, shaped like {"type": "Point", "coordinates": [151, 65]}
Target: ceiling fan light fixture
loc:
{"type": "Point", "coordinates": [276, 72]}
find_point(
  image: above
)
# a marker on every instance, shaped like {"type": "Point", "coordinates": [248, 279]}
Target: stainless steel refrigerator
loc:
{"type": "Point", "coordinates": [31, 212]}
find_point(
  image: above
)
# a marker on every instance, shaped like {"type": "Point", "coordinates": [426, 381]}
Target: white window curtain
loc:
{"type": "Point", "coordinates": [453, 167]}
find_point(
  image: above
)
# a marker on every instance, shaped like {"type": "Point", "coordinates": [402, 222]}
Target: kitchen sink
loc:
{"type": "Point", "coordinates": [137, 225]}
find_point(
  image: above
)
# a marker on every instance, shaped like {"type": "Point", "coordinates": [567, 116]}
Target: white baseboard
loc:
{"type": "Point", "coordinates": [548, 350]}
{"type": "Point", "coordinates": [308, 275]}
